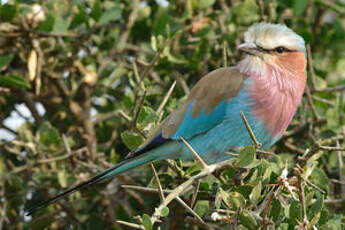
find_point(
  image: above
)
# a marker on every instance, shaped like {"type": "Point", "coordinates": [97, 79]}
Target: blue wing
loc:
{"type": "Point", "coordinates": [205, 108]}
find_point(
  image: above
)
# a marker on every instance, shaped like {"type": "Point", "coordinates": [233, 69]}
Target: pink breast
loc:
{"type": "Point", "coordinates": [275, 100]}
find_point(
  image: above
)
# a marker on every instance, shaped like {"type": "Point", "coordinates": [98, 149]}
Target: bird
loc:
{"type": "Point", "coordinates": [267, 86]}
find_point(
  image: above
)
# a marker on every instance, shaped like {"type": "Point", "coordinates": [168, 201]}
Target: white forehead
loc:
{"type": "Point", "coordinates": [270, 36]}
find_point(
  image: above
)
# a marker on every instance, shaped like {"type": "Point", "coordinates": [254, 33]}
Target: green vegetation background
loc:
{"type": "Point", "coordinates": [102, 69]}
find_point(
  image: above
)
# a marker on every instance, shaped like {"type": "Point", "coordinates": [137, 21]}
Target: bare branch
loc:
{"type": "Point", "coordinates": [250, 131]}
{"type": "Point", "coordinates": [196, 155]}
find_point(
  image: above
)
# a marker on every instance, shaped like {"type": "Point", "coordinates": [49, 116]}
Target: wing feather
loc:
{"type": "Point", "coordinates": [204, 108]}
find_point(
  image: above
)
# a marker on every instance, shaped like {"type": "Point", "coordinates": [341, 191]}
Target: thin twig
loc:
{"type": "Point", "coordinates": [106, 116]}
{"type": "Point", "coordinates": [191, 211]}
{"type": "Point", "coordinates": [128, 224]}
{"type": "Point", "coordinates": [166, 97]}
{"type": "Point", "coordinates": [265, 152]}
{"type": "Point", "coordinates": [145, 189]}
{"type": "Point", "coordinates": [250, 131]}
{"type": "Point", "coordinates": [3, 213]}
{"type": "Point", "coordinates": [185, 185]}
{"type": "Point", "coordinates": [136, 116]}
{"type": "Point", "coordinates": [332, 6]}
{"type": "Point", "coordinates": [315, 186]}
{"type": "Point", "coordinates": [330, 90]}
{"type": "Point", "coordinates": [311, 68]}
{"type": "Point", "coordinates": [196, 155]}
{"type": "Point", "coordinates": [195, 194]}
{"type": "Point", "coordinates": [161, 194]}
{"type": "Point", "coordinates": [323, 100]}
{"type": "Point", "coordinates": [311, 103]}
{"type": "Point", "coordinates": [301, 195]}
{"type": "Point", "coordinates": [137, 76]}
{"type": "Point", "coordinates": [268, 203]}
{"type": "Point", "coordinates": [341, 170]}
{"type": "Point", "coordinates": [225, 60]}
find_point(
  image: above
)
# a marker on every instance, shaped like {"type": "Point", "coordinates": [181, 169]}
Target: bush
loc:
{"type": "Point", "coordinates": [83, 82]}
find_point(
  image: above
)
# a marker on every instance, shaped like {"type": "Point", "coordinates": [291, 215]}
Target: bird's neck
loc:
{"type": "Point", "coordinates": [277, 91]}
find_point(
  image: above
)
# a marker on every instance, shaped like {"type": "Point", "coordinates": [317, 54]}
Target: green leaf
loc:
{"type": "Point", "coordinates": [255, 194]}
{"type": "Point", "coordinates": [112, 14]}
{"type": "Point", "coordinates": [315, 219]}
{"type": "Point", "coordinates": [299, 6]}
{"type": "Point", "coordinates": [7, 12]}
{"type": "Point", "coordinates": [324, 217]}
{"type": "Point", "coordinates": [319, 178]}
{"type": "Point", "coordinates": [295, 213]}
{"type": "Point", "coordinates": [154, 43]}
{"type": "Point", "coordinates": [48, 134]}
{"type": "Point", "coordinates": [236, 200]}
{"type": "Point", "coordinates": [245, 190]}
{"type": "Point", "coordinates": [96, 10]}
{"type": "Point", "coordinates": [203, 4]}
{"type": "Point", "coordinates": [80, 18]}
{"type": "Point", "coordinates": [317, 206]}
{"type": "Point", "coordinates": [131, 140]}
{"type": "Point", "coordinates": [47, 24]}
{"type": "Point", "coordinates": [275, 210]}
{"type": "Point", "coordinates": [165, 212]}
{"type": "Point", "coordinates": [248, 220]}
{"type": "Point", "coordinates": [144, 12]}
{"type": "Point", "coordinates": [60, 25]}
{"type": "Point", "coordinates": [147, 222]}
{"type": "Point", "coordinates": [247, 158]}
{"type": "Point", "coordinates": [62, 178]}
{"type": "Point", "coordinates": [14, 81]}
{"type": "Point", "coordinates": [333, 117]}
{"type": "Point", "coordinates": [223, 196]}
{"type": "Point", "coordinates": [5, 61]}
{"type": "Point", "coordinates": [146, 116]}
{"type": "Point", "coordinates": [202, 207]}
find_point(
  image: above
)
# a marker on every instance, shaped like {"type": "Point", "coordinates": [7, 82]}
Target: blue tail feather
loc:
{"type": "Point", "coordinates": [115, 170]}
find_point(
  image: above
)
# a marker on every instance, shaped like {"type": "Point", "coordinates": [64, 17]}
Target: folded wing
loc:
{"type": "Point", "coordinates": [204, 108]}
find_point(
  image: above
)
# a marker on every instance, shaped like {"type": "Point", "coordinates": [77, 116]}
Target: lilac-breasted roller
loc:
{"type": "Point", "coordinates": [267, 86]}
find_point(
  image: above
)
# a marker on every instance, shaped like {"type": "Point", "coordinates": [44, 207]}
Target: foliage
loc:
{"type": "Point", "coordinates": [101, 71]}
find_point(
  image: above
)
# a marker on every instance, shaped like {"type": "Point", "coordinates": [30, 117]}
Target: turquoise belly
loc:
{"type": "Point", "coordinates": [231, 133]}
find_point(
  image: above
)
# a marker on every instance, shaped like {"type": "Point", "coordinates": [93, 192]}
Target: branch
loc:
{"type": "Point", "coordinates": [29, 102]}
{"type": "Point", "coordinates": [331, 6]}
{"type": "Point", "coordinates": [197, 157]}
{"type": "Point", "coordinates": [165, 100]}
{"type": "Point", "coordinates": [161, 194]}
{"type": "Point", "coordinates": [330, 90]}
{"type": "Point", "coordinates": [182, 187]}
{"type": "Point", "coordinates": [250, 131]}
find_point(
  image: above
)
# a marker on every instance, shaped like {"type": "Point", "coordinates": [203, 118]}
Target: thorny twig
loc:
{"type": "Point", "coordinates": [197, 157]}
{"type": "Point", "coordinates": [250, 131]}
{"type": "Point", "coordinates": [161, 194]}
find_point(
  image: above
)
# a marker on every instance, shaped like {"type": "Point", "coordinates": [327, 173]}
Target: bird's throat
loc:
{"type": "Point", "coordinates": [276, 94]}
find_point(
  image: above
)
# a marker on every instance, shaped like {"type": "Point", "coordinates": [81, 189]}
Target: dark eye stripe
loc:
{"type": "Point", "coordinates": [274, 49]}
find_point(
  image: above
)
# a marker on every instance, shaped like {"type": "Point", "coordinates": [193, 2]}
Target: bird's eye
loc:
{"type": "Point", "coordinates": [280, 49]}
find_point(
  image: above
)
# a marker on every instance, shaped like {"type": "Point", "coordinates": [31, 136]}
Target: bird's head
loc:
{"type": "Point", "coordinates": [274, 45]}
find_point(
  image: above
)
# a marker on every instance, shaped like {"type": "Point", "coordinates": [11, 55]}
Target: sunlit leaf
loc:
{"type": "Point", "coordinates": [111, 14]}
{"type": "Point", "coordinates": [255, 194]}
{"type": "Point", "coordinates": [202, 207]}
{"type": "Point", "coordinates": [62, 178]}
{"type": "Point", "coordinates": [147, 222]}
{"type": "Point", "coordinates": [248, 220]}
{"type": "Point", "coordinates": [5, 61]}
{"type": "Point", "coordinates": [14, 81]}
{"type": "Point", "coordinates": [247, 158]}
{"type": "Point", "coordinates": [131, 140]}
